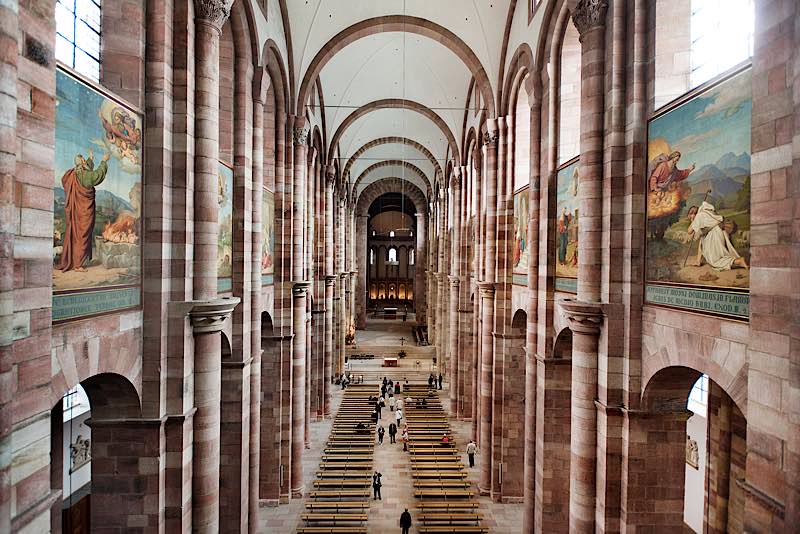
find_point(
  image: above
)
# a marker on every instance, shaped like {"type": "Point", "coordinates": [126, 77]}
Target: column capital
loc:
{"type": "Point", "coordinates": [330, 175]}
{"type": "Point", "coordinates": [455, 179]}
{"type": "Point", "coordinates": [330, 280]}
{"type": "Point", "coordinates": [589, 14]}
{"type": "Point", "coordinates": [208, 316]}
{"type": "Point", "coordinates": [212, 12]}
{"type": "Point", "coordinates": [491, 135]}
{"type": "Point", "coordinates": [299, 288]}
{"type": "Point", "coordinates": [300, 135]}
{"type": "Point", "coordinates": [582, 317]}
{"type": "Point", "coordinates": [486, 289]}
{"type": "Point", "coordinates": [419, 215]}
{"type": "Point", "coordinates": [455, 281]}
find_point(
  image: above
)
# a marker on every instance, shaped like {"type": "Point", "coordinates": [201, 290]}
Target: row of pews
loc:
{"type": "Point", "coordinates": [339, 500]}
{"type": "Point", "coordinates": [446, 499]}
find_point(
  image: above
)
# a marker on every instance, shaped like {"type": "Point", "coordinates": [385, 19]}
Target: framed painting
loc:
{"type": "Point", "coordinates": [521, 245]}
{"type": "Point", "coordinates": [268, 237]}
{"type": "Point", "coordinates": [225, 221]}
{"type": "Point", "coordinates": [567, 216]}
{"type": "Point", "coordinates": [97, 202]}
{"type": "Point", "coordinates": [698, 201]}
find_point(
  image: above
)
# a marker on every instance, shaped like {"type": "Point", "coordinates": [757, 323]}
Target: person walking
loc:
{"type": "Point", "coordinates": [440, 380]}
{"type": "Point", "coordinates": [399, 404]}
{"type": "Point", "coordinates": [392, 402]}
{"type": "Point", "coordinates": [398, 415]}
{"type": "Point", "coordinates": [392, 432]}
{"type": "Point", "coordinates": [375, 416]}
{"type": "Point", "coordinates": [471, 449]}
{"type": "Point", "coordinates": [381, 432]}
{"type": "Point", "coordinates": [378, 406]}
{"type": "Point", "coordinates": [376, 486]}
{"type": "Point", "coordinates": [405, 521]}
{"type": "Point", "coordinates": [430, 380]}
{"type": "Point", "coordinates": [405, 439]}
{"type": "Point", "coordinates": [397, 388]}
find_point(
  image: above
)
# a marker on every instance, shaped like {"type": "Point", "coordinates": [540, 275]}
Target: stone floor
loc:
{"type": "Point", "coordinates": [389, 459]}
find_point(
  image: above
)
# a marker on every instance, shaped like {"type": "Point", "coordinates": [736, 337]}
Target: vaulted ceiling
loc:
{"type": "Point", "coordinates": [395, 78]}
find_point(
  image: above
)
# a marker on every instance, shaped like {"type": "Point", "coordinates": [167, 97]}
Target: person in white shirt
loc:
{"type": "Point", "coordinates": [471, 449]}
{"type": "Point", "coordinates": [398, 415]}
{"type": "Point", "coordinates": [392, 402]}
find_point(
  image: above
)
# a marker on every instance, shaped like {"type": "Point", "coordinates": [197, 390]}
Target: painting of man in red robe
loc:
{"type": "Point", "coordinates": [79, 185]}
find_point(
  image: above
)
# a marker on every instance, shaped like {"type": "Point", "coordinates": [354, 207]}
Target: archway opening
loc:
{"type": "Point", "coordinates": [694, 441]}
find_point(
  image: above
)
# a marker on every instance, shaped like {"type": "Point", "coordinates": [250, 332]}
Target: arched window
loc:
{"type": "Point", "coordinates": [411, 257]}
{"type": "Point", "coordinates": [372, 256]}
{"type": "Point", "coordinates": [78, 36]}
{"type": "Point", "coordinates": [391, 233]}
{"type": "Point", "coordinates": [722, 36]}
{"type": "Point", "coordinates": [696, 40]}
{"type": "Point", "coordinates": [393, 255]}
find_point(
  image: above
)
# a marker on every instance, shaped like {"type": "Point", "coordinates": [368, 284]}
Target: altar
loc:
{"type": "Point", "coordinates": [390, 362]}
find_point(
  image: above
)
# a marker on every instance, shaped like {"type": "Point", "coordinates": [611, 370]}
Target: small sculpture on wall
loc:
{"type": "Point", "coordinates": [80, 453]}
{"type": "Point", "coordinates": [692, 453]}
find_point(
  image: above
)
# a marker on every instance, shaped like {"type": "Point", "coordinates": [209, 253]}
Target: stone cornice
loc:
{"type": "Point", "coordinates": [582, 317]}
{"type": "Point", "coordinates": [209, 316]}
{"type": "Point", "coordinates": [589, 14]}
{"type": "Point", "coordinates": [213, 12]}
{"type": "Point", "coordinates": [767, 501]}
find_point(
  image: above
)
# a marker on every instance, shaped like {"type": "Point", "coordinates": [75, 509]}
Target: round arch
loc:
{"type": "Point", "coordinates": [399, 23]}
{"type": "Point", "coordinates": [396, 103]}
{"type": "Point", "coordinates": [389, 185]}
{"type": "Point", "coordinates": [390, 140]}
{"type": "Point", "coordinates": [389, 162]}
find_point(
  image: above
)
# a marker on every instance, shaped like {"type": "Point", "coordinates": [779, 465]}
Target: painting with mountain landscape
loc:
{"type": "Point", "coordinates": [698, 189]}
{"type": "Point", "coordinates": [97, 202]}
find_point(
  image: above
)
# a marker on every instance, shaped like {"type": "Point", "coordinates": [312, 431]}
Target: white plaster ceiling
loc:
{"type": "Point", "coordinates": [396, 65]}
{"type": "Point", "coordinates": [393, 151]}
{"type": "Point", "coordinates": [393, 123]}
{"type": "Point", "coordinates": [390, 171]}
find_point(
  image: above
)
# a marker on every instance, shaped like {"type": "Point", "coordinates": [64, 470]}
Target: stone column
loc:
{"type": "Point", "coordinates": [551, 501]}
{"type": "Point", "coordinates": [330, 281]}
{"type": "Point", "coordinates": [455, 272]}
{"type": "Point", "coordinates": [9, 35]}
{"type": "Point", "coordinates": [207, 318]}
{"type": "Point", "coordinates": [585, 320]}
{"type": "Point", "coordinates": [420, 279]}
{"type": "Point", "coordinates": [256, 306]}
{"type": "Point", "coordinates": [362, 256]}
{"type": "Point", "coordinates": [299, 292]}
{"type": "Point", "coordinates": [330, 286]}
{"type": "Point", "coordinates": [655, 451]}
{"type": "Point", "coordinates": [589, 18]}
{"type": "Point", "coordinates": [584, 316]}
{"type": "Point", "coordinates": [487, 339]}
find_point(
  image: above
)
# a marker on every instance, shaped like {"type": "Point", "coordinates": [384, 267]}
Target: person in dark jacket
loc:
{"type": "Point", "coordinates": [376, 486]}
{"type": "Point", "coordinates": [440, 380]}
{"type": "Point", "coordinates": [405, 521]}
{"type": "Point", "coordinates": [392, 432]}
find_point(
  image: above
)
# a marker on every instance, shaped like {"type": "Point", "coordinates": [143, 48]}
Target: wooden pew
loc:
{"type": "Point", "coordinates": [452, 529]}
{"type": "Point", "coordinates": [444, 493]}
{"type": "Point", "coordinates": [332, 530]}
{"type": "Point", "coordinates": [449, 518]}
{"type": "Point", "coordinates": [321, 517]}
{"type": "Point", "coordinates": [448, 505]}
{"type": "Point", "coordinates": [339, 494]}
{"type": "Point", "coordinates": [342, 483]}
{"type": "Point", "coordinates": [434, 484]}
{"type": "Point", "coordinates": [338, 505]}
